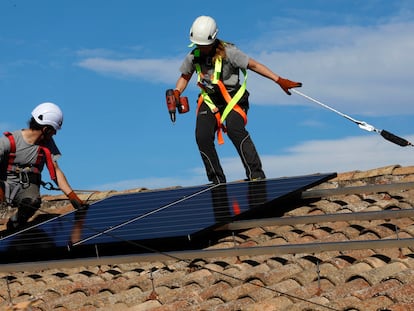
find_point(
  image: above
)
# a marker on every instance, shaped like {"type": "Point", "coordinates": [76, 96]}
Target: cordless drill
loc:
{"type": "Point", "coordinates": [176, 102]}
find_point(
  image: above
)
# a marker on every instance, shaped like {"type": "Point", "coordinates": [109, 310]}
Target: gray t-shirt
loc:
{"type": "Point", "coordinates": [26, 154]}
{"type": "Point", "coordinates": [234, 61]}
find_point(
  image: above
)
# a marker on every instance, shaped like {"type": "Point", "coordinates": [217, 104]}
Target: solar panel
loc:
{"type": "Point", "coordinates": [163, 220]}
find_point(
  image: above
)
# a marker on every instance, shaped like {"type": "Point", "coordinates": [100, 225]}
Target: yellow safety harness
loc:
{"type": "Point", "coordinates": [231, 101]}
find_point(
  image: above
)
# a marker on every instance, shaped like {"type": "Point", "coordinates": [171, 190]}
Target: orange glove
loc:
{"type": "Point", "coordinates": [286, 84]}
{"type": "Point", "coordinates": [177, 95]}
{"type": "Point", "coordinates": [181, 102]}
{"type": "Point", "coordinates": [76, 202]}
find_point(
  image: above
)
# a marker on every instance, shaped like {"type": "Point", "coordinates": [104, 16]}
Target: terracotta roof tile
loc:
{"type": "Point", "coordinates": [403, 293]}
{"type": "Point", "coordinates": [377, 302]}
{"type": "Point", "coordinates": [356, 279]}
{"type": "Point", "coordinates": [278, 302]}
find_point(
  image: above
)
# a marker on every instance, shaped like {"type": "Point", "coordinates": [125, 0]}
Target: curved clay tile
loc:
{"type": "Point", "coordinates": [379, 302]}
{"type": "Point", "coordinates": [345, 274]}
{"type": "Point", "coordinates": [367, 233]}
{"type": "Point", "coordinates": [211, 291]}
{"type": "Point", "coordinates": [348, 259]}
{"type": "Point", "coordinates": [313, 259]}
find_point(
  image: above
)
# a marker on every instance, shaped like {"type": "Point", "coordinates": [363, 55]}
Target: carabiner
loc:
{"type": "Point", "coordinates": [49, 186]}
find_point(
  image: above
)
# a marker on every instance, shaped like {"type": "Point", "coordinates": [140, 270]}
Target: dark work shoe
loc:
{"type": "Point", "coordinates": [258, 178]}
{"type": "Point", "coordinates": [12, 225]}
{"type": "Point", "coordinates": [255, 179]}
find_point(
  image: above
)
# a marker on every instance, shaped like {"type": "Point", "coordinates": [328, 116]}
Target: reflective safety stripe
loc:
{"type": "Point", "coordinates": [231, 101]}
{"type": "Point", "coordinates": [216, 113]}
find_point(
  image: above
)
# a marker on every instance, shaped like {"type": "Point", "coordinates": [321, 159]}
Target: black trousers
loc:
{"type": "Point", "coordinates": [206, 127]}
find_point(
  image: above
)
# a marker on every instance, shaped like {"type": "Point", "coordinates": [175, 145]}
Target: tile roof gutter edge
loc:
{"type": "Point", "coordinates": [306, 248]}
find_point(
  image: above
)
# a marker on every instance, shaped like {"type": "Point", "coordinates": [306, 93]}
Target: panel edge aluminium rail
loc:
{"type": "Point", "coordinates": [154, 221]}
{"type": "Point", "coordinates": [53, 238]}
{"type": "Point", "coordinates": [191, 223]}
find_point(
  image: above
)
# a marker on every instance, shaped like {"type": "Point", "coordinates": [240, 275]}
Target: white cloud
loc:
{"type": "Point", "coordinates": [368, 70]}
{"type": "Point", "coordinates": [321, 156]}
{"type": "Point", "coordinates": [153, 183]}
{"type": "Point", "coordinates": [151, 70]}
{"type": "Point", "coordinates": [364, 70]}
{"type": "Point", "coordinates": [318, 156]}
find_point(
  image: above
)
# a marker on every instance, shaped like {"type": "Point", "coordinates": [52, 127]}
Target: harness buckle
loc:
{"type": "Point", "coordinates": [24, 179]}
{"type": "Point", "coordinates": [206, 86]}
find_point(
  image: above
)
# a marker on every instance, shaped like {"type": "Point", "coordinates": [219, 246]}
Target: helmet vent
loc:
{"type": "Point", "coordinates": [40, 117]}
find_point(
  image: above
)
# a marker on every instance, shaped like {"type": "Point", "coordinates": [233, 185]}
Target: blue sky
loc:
{"type": "Point", "coordinates": [108, 63]}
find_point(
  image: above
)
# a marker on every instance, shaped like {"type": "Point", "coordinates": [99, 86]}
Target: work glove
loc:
{"type": "Point", "coordinates": [286, 84]}
{"type": "Point", "coordinates": [181, 102]}
{"type": "Point", "coordinates": [177, 95]}
{"type": "Point", "coordinates": [76, 202]}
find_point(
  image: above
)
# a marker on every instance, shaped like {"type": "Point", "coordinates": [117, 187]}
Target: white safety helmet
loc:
{"type": "Point", "coordinates": [203, 31]}
{"type": "Point", "coordinates": [48, 114]}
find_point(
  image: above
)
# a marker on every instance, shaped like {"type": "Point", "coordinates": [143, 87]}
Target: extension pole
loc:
{"type": "Point", "coordinates": [362, 124]}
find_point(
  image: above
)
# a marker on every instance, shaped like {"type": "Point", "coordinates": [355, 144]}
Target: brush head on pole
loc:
{"type": "Point", "coordinates": [395, 139]}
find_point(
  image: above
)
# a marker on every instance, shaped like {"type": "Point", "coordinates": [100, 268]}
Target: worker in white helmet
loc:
{"type": "Point", "coordinates": [23, 154]}
{"type": "Point", "coordinates": [223, 100]}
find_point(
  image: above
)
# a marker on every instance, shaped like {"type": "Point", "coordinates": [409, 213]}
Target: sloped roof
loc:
{"type": "Point", "coordinates": [355, 262]}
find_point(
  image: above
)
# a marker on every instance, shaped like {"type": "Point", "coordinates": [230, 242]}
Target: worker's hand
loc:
{"type": "Point", "coordinates": [76, 202]}
{"type": "Point", "coordinates": [286, 84]}
{"type": "Point", "coordinates": [177, 95]}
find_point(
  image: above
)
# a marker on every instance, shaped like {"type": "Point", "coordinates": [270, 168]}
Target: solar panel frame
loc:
{"type": "Point", "coordinates": [180, 218]}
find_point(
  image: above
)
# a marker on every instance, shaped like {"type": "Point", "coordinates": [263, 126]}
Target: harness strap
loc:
{"type": "Point", "coordinates": [12, 152]}
{"type": "Point", "coordinates": [231, 101]}
{"type": "Point", "coordinates": [11, 194]}
{"type": "Point", "coordinates": [216, 113]}
{"type": "Point", "coordinates": [42, 151]}
{"type": "Point", "coordinates": [49, 162]}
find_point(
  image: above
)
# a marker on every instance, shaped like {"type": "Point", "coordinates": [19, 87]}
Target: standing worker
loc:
{"type": "Point", "coordinates": [23, 154]}
{"type": "Point", "coordinates": [223, 100]}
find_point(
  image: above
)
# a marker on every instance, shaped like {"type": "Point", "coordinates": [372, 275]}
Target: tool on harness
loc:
{"type": "Point", "coordinates": [232, 102]}
{"type": "Point", "coordinates": [27, 174]}
{"type": "Point", "coordinates": [176, 102]}
{"type": "Point", "coordinates": [43, 154]}
{"type": "Point", "coordinates": [24, 179]}
{"type": "Point", "coordinates": [27, 170]}
{"type": "Point", "coordinates": [48, 186]}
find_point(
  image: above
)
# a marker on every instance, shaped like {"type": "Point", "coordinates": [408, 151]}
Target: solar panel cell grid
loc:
{"type": "Point", "coordinates": [180, 214]}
